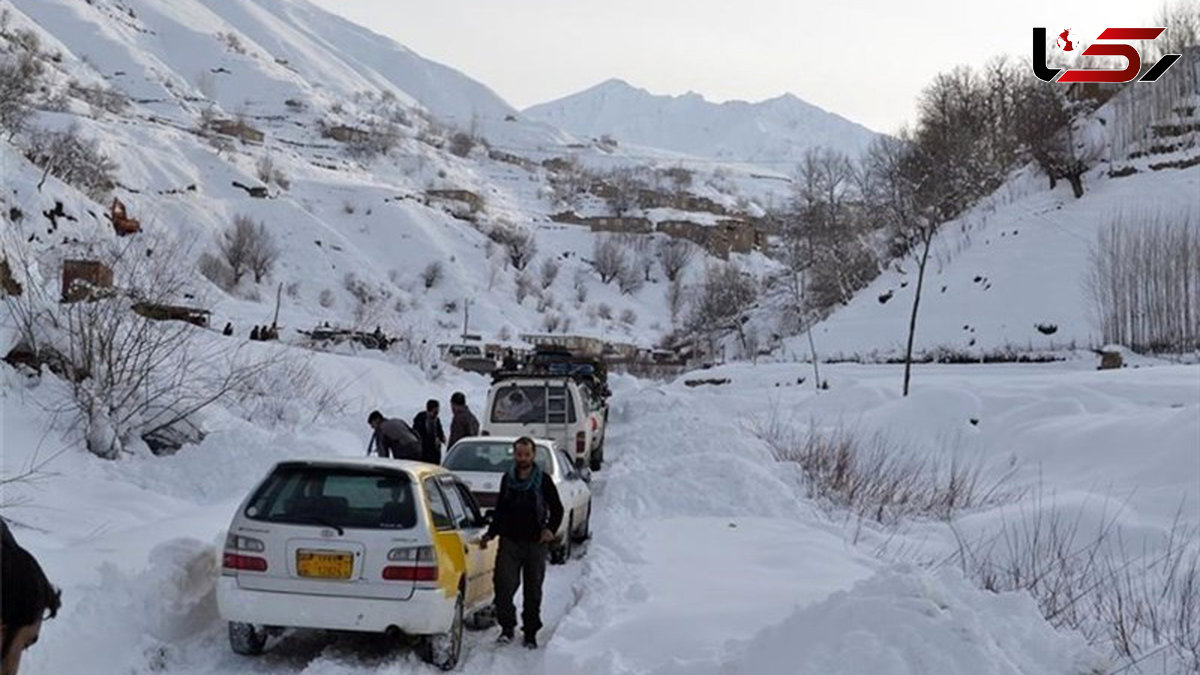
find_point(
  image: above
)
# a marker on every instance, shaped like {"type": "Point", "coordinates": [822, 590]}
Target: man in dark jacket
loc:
{"type": "Point", "coordinates": [463, 423]}
{"type": "Point", "coordinates": [528, 513]}
{"type": "Point", "coordinates": [28, 598]}
{"type": "Point", "coordinates": [429, 428]}
{"type": "Point", "coordinates": [393, 438]}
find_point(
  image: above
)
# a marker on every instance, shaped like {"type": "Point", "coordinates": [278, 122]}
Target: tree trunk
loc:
{"type": "Point", "coordinates": [1053, 181]}
{"type": "Point", "coordinates": [1076, 181]}
{"type": "Point", "coordinates": [912, 321]}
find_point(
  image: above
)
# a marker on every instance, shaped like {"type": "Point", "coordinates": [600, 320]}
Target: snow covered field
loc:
{"type": "Point", "coordinates": [706, 555]}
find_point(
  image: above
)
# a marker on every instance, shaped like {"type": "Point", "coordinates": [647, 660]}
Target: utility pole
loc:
{"type": "Point", "coordinates": [466, 318]}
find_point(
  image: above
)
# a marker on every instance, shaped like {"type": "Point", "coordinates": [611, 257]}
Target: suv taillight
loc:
{"type": "Point", "coordinates": [580, 443]}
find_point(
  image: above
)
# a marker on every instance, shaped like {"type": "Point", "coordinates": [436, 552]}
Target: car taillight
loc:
{"type": "Point", "coordinates": [246, 563]}
{"type": "Point", "coordinates": [235, 542]}
{"type": "Point", "coordinates": [410, 573]}
{"type": "Point", "coordinates": [580, 443]}
{"type": "Point", "coordinates": [595, 425]}
{"type": "Point", "coordinates": [418, 563]}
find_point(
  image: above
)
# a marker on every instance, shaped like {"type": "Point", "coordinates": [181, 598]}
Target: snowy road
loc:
{"type": "Point", "coordinates": [705, 554]}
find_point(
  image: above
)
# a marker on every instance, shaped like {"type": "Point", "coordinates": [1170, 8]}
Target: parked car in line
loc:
{"type": "Point", "coordinates": [480, 461]}
{"type": "Point", "coordinates": [364, 544]}
{"type": "Point", "coordinates": [562, 408]}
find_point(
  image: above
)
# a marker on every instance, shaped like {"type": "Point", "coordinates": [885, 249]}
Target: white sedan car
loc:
{"type": "Point", "coordinates": [480, 461]}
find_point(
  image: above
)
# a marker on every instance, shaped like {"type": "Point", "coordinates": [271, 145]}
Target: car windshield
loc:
{"type": "Point", "coordinates": [533, 404]}
{"type": "Point", "coordinates": [303, 494]}
{"type": "Point", "coordinates": [491, 457]}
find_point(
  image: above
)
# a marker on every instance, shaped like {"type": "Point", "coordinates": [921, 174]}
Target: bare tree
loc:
{"type": "Point", "coordinates": [674, 256]}
{"type": "Point", "coordinates": [630, 280]}
{"type": "Point", "coordinates": [130, 376]}
{"type": "Point", "coordinates": [721, 304]}
{"type": "Point", "coordinates": [623, 188]}
{"type": "Point", "coordinates": [519, 244]}
{"type": "Point", "coordinates": [73, 160]}
{"type": "Point", "coordinates": [19, 76]}
{"type": "Point", "coordinates": [608, 258]}
{"type": "Point", "coordinates": [247, 246]}
{"type": "Point", "coordinates": [1144, 281]}
{"type": "Point", "coordinates": [675, 298]}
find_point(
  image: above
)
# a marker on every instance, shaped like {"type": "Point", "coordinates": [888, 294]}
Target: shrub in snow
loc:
{"type": "Point", "coordinates": [630, 280]}
{"type": "Point", "coordinates": [100, 98]}
{"type": "Point", "coordinates": [462, 143]}
{"type": "Point", "coordinates": [73, 160]}
{"type": "Point", "coordinates": [874, 478]}
{"type": "Point", "coordinates": [1143, 607]}
{"type": "Point", "coordinates": [432, 274]}
{"type": "Point", "coordinates": [550, 268]}
{"type": "Point", "coordinates": [217, 271]}
{"type": "Point", "coordinates": [604, 311]}
{"type": "Point", "coordinates": [326, 299]}
{"type": "Point", "coordinates": [552, 322]}
{"type": "Point", "coordinates": [581, 287]}
{"type": "Point", "coordinates": [525, 287]}
{"type": "Point", "coordinates": [629, 317]}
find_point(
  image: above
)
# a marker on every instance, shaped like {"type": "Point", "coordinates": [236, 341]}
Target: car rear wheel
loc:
{"type": "Point", "coordinates": [586, 530]}
{"type": "Point", "coordinates": [443, 650]}
{"type": "Point", "coordinates": [246, 639]}
{"type": "Point", "coordinates": [559, 555]}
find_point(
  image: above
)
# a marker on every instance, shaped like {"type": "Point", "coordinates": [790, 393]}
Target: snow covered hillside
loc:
{"type": "Point", "coordinates": [351, 135]}
{"type": "Point", "coordinates": [1012, 274]}
{"type": "Point", "coordinates": [775, 132]}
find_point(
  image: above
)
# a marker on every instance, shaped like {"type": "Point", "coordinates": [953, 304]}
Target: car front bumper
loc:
{"type": "Point", "coordinates": [427, 612]}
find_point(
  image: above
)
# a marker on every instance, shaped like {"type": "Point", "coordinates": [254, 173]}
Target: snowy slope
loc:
{"type": "Point", "coordinates": [1016, 261]}
{"type": "Point", "coordinates": [286, 67]}
{"type": "Point", "coordinates": [774, 132]}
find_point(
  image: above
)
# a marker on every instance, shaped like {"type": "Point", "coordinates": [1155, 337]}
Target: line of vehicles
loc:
{"type": "Point", "coordinates": [392, 546]}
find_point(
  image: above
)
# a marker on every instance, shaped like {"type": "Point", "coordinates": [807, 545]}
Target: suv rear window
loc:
{"type": "Point", "coordinates": [533, 404]}
{"type": "Point", "coordinates": [335, 497]}
{"type": "Point", "coordinates": [491, 457]}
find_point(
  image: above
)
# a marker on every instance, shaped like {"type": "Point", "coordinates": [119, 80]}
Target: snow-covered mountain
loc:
{"type": "Point", "coordinates": [774, 132]}
{"type": "Point", "coordinates": [307, 86]}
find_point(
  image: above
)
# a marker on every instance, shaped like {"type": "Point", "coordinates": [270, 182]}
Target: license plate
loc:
{"type": "Point", "coordinates": [324, 565]}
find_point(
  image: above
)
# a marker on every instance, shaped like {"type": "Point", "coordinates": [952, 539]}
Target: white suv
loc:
{"type": "Point", "coordinates": [558, 408]}
{"type": "Point", "coordinates": [372, 545]}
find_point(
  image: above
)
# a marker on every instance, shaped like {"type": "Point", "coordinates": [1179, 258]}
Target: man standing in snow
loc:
{"type": "Point", "coordinates": [463, 423]}
{"type": "Point", "coordinates": [28, 598]}
{"type": "Point", "coordinates": [429, 428]}
{"type": "Point", "coordinates": [528, 513]}
{"type": "Point", "coordinates": [393, 438]}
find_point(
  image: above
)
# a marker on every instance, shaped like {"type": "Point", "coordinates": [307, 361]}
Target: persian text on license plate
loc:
{"type": "Point", "coordinates": [324, 564]}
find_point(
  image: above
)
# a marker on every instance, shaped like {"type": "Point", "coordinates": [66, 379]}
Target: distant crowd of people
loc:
{"type": "Point", "coordinates": [424, 439]}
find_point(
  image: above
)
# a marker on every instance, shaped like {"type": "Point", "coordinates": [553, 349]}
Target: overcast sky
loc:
{"type": "Point", "coordinates": [864, 59]}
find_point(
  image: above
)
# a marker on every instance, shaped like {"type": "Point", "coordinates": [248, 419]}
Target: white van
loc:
{"type": "Point", "coordinates": [560, 408]}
